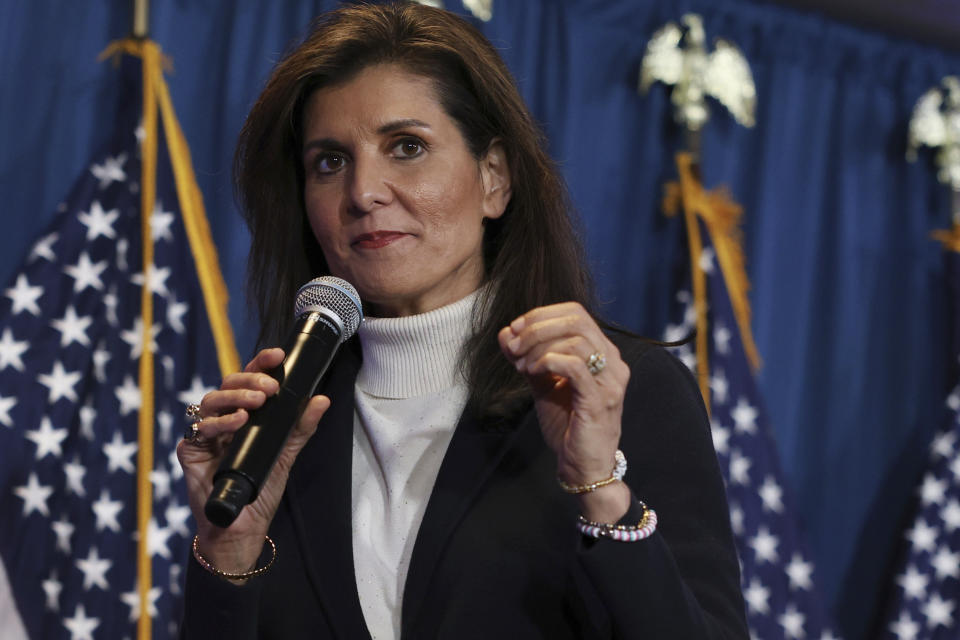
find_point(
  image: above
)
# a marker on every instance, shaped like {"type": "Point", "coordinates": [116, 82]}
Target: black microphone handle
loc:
{"type": "Point", "coordinates": [257, 444]}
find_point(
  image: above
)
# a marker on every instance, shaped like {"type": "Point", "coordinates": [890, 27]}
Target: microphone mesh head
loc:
{"type": "Point", "coordinates": [332, 294]}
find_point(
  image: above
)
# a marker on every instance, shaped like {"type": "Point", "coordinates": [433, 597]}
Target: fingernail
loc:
{"type": "Point", "coordinates": [513, 344]}
{"type": "Point", "coordinates": [518, 324]}
{"type": "Point", "coordinates": [520, 363]}
{"type": "Point", "coordinates": [252, 395]}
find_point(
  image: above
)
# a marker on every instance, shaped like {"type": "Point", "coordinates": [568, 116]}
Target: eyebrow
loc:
{"type": "Point", "coordinates": [390, 127]}
{"type": "Point", "coordinates": [396, 125]}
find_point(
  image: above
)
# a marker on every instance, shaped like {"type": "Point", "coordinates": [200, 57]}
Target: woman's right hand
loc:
{"type": "Point", "coordinates": [237, 548]}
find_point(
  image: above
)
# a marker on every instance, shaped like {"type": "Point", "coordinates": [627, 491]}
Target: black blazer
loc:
{"type": "Point", "coordinates": [497, 554]}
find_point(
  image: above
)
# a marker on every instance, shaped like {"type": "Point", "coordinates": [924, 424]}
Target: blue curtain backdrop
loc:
{"type": "Point", "coordinates": [849, 294]}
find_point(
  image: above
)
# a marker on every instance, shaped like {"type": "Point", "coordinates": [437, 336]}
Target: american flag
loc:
{"type": "Point", "coordinates": [926, 595]}
{"type": "Point", "coordinates": [777, 573]}
{"type": "Point", "coordinates": [71, 336]}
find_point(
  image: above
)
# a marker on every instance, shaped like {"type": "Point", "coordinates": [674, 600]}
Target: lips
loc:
{"type": "Point", "coordinates": [377, 239]}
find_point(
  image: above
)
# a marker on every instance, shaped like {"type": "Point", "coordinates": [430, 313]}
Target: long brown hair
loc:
{"type": "Point", "coordinates": [531, 253]}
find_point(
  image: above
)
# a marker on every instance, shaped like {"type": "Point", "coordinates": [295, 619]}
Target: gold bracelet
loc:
{"type": "Point", "coordinates": [619, 469]}
{"type": "Point", "coordinates": [233, 576]}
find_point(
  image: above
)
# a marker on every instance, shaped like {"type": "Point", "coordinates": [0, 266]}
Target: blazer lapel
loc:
{"type": "Point", "coordinates": [319, 493]}
{"type": "Point", "coordinates": [471, 458]}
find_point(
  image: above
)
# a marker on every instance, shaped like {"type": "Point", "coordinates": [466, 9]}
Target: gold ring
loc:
{"type": "Point", "coordinates": [596, 362]}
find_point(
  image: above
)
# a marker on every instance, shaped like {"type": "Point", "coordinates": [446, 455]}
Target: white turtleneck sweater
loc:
{"type": "Point", "coordinates": [409, 396]}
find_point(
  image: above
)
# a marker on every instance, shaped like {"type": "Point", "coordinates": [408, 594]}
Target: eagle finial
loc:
{"type": "Point", "coordinates": [695, 74]}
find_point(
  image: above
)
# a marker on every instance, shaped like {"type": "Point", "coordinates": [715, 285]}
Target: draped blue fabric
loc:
{"type": "Point", "coordinates": [849, 295]}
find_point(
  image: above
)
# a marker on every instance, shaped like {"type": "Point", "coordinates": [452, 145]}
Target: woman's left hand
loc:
{"type": "Point", "coordinates": [579, 410]}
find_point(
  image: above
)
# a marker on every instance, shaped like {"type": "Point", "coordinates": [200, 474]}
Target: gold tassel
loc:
{"type": "Point", "coordinates": [721, 217]}
{"type": "Point", "coordinates": [949, 237]}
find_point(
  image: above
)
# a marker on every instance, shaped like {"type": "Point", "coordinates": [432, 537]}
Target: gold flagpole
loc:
{"type": "Point", "coordinates": [140, 30]}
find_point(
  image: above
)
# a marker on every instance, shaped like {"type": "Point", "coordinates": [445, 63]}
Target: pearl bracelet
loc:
{"type": "Point", "coordinates": [621, 532]}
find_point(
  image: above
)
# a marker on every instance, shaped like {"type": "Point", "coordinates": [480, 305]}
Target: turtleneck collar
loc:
{"type": "Point", "coordinates": [415, 355]}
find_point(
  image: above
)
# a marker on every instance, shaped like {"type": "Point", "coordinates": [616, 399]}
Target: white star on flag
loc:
{"type": "Point", "coordinates": [764, 545]}
{"type": "Point", "coordinates": [160, 222]}
{"type": "Point", "coordinates": [63, 529]}
{"type": "Point", "coordinates": [75, 472]}
{"type": "Point", "coordinates": [905, 628]}
{"type": "Point", "coordinates": [94, 569]}
{"type": "Point", "coordinates": [5, 405]}
{"type": "Point", "coordinates": [47, 439]}
{"type": "Point", "coordinates": [100, 359]}
{"type": "Point", "coordinates": [119, 454]}
{"type": "Point", "coordinates": [744, 417]}
{"type": "Point", "coordinates": [914, 583]}
{"type": "Point", "coordinates": [757, 597]}
{"type": "Point", "coordinates": [800, 573]}
{"type": "Point", "coordinates": [195, 393]}
{"type": "Point", "coordinates": [922, 536]}
{"type": "Point", "coordinates": [86, 274]}
{"type": "Point", "coordinates": [72, 328]}
{"type": "Point", "coordinates": [106, 512]}
{"type": "Point", "coordinates": [11, 351]}
{"type": "Point", "coordinates": [933, 490]}
{"type": "Point", "coordinates": [718, 386]}
{"type": "Point", "coordinates": [60, 382]}
{"type": "Point", "coordinates": [43, 248]}
{"type": "Point", "coordinates": [939, 612]}
{"type": "Point", "coordinates": [792, 623]}
{"type": "Point", "coordinates": [156, 279]}
{"type": "Point", "coordinates": [175, 313]}
{"type": "Point", "coordinates": [52, 588]}
{"type": "Point", "coordinates": [111, 170]}
{"type": "Point", "coordinates": [99, 222]}
{"type": "Point", "coordinates": [128, 395]}
{"type": "Point", "coordinates": [950, 513]}
{"type": "Point", "coordinates": [946, 563]}
{"type": "Point", "coordinates": [132, 600]}
{"type": "Point", "coordinates": [739, 468]}
{"type": "Point", "coordinates": [34, 496]}
{"type": "Point", "coordinates": [24, 296]}
{"type": "Point", "coordinates": [80, 626]}
{"type": "Point", "coordinates": [771, 494]}
{"type": "Point", "coordinates": [134, 338]}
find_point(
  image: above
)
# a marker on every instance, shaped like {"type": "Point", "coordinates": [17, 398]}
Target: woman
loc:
{"type": "Point", "coordinates": [481, 409]}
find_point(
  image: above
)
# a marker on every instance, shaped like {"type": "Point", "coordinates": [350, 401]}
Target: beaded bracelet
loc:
{"type": "Point", "coordinates": [619, 470]}
{"type": "Point", "coordinates": [233, 576]}
{"type": "Point", "coordinates": [621, 532]}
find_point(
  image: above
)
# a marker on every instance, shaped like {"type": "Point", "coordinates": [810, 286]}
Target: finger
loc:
{"type": "Point", "coordinates": [251, 380]}
{"type": "Point", "coordinates": [212, 428]}
{"type": "Point", "coordinates": [546, 312]}
{"type": "Point", "coordinates": [265, 360]}
{"type": "Point", "coordinates": [312, 414]}
{"type": "Point", "coordinates": [556, 328]}
{"type": "Point", "coordinates": [564, 366]}
{"type": "Point", "coordinates": [573, 346]}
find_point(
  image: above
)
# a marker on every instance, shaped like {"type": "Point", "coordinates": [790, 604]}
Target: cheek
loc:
{"type": "Point", "coordinates": [451, 206]}
{"type": "Point", "coordinates": [323, 223]}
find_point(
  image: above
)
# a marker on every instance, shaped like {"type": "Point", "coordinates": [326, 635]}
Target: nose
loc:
{"type": "Point", "coordinates": [369, 187]}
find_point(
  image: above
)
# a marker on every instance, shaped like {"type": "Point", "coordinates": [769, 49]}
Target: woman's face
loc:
{"type": "Point", "coordinates": [393, 194]}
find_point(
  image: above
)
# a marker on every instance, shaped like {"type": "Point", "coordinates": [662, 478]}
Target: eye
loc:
{"type": "Point", "coordinates": [328, 162]}
{"type": "Point", "coordinates": [406, 148]}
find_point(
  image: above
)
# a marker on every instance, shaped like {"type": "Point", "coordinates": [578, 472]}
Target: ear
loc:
{"type": "Point", "coordinates": [495, 180]}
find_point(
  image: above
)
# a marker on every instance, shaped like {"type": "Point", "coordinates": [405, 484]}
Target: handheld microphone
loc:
{"type": "Point", "coordinates": [327, 313]}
